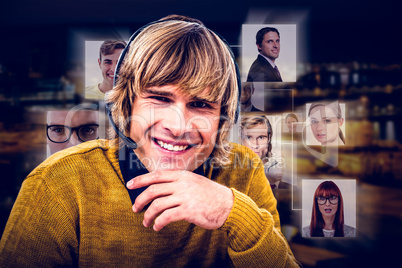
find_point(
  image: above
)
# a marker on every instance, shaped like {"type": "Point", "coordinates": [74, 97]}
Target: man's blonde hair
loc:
{"type": "Point", "coordinates": [185, 54]}
{"type": "Point", "coordinates": [251, 122]}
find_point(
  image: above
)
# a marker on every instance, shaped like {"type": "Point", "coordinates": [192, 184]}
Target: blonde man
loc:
{"type": "Point", "coordinates": [207, 200]}
{"type": "Point", "coordinates": [256, 133]}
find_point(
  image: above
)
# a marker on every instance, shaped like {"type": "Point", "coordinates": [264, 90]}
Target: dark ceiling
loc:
{"type": "Point", "coordinates": [338, 31]}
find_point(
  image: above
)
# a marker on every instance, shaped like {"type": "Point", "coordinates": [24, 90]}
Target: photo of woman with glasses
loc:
{"type": "Point", "coordinates": [326, 121]}
{"type": "Point", "coordinates": [327, 216]}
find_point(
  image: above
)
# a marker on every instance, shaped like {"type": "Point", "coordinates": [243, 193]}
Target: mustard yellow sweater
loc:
{"type": "Point", "coordinates": [74, 210]}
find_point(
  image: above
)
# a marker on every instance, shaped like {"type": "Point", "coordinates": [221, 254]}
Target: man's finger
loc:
{"type": "Point", "coordinates": [152, 192]}
{"type": "Point", "coordinates": [151, 178]}
{"type": "Point", "coordinates": [158, 206]}
{"type": "Point", "coordinates": [168, 216]}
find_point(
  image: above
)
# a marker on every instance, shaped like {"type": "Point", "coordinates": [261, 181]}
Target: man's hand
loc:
{"type": "Point", "coordinates": [182, 195]}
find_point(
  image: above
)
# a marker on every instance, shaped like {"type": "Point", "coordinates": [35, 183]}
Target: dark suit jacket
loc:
{"type": "Point", "coordinates": [261, 71]}
{"type": "Point", "coordinates": [284, 185]}
{"type": "Point", "coordinates": [254, 109]}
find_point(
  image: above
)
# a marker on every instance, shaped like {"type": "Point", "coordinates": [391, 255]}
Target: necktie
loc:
{"type": "Point", "coordinates": [277, 72]}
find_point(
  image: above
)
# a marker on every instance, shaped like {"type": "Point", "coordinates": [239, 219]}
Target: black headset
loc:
{"type": "Point", "coordinates": [127, 140]}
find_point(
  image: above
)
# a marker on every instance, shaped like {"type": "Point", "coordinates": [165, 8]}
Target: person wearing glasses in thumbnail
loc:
{"type": "Point", "coordinates": [68, 128]}
{"type": "Point", "coordinates": [326, 121]}
{"type": "Point", "coordinates": [169, 189]}
{"type": "Point", "coordinates": [109, 54]}
{"type": "Point", "coordinates": [327, 217]}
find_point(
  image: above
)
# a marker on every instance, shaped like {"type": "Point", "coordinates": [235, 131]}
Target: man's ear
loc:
{"type": "Point", "coordinates": [258, 47]}
{"type": "Point", "coordinates": [99, 62]}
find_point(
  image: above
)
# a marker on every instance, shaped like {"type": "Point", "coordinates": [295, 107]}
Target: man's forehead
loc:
{"type": "Point", "coordinates": [108, 56]}
{"type": "Point", "coordinates": [257, 128]}
{"type": "Point", "coordinates": [175, 91]}
{"type": "Point", "coordinates": [271, 35]}
{"type": "Point", "coordinates": [56, 116]}
{"type": "Point", "coordinates": [72, 118]}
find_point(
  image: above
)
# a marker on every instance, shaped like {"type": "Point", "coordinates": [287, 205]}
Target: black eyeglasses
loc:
{"type": "Point", "coordinates": [321, 200]}
{"type": "Point", "coordinates": [61, 133]}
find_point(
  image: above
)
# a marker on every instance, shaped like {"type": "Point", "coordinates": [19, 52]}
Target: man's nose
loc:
{"type": "Point", "coordinates": [113, 66]}
{"type": "Point", "coordinates": [73, 140]}
{"type": "Point", "coordinates": [254, 144]}
{"type": "Point", "coordinates": [177, 120]}
{"type": "Point", "coordinates": [258, 142]}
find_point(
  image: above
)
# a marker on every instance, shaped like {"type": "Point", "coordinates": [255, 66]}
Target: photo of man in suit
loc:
{"type": "Point", "coordinates": [247, 91]}
{"type": "Point", "coordinates": [263, 68]}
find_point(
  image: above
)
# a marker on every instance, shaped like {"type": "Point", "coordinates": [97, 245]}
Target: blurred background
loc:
{"type": "Point", "coordinates": [346, 50]}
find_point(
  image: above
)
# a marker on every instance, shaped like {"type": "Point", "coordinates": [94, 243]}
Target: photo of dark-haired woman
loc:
{"type": "Point", "coordinates": [327, 215]}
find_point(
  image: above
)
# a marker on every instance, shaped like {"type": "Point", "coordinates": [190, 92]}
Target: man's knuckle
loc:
{"type": "Point", "coordinates": [152, 190]}
{"type": "Point", "coordinates": [167, 217]}
{"type": "Point", "coordinates": [146, 215]}
{"type": "Point", "coordinates": [156, 204]}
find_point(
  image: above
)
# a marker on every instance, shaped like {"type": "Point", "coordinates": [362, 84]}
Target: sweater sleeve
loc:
{"type": "Point", "coordinates": [253, 228]}
{"type": "Point", "coordinates": [39, 231]}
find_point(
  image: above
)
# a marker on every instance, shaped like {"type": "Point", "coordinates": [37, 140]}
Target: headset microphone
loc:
{"type": "Point", "coordinates": [127, 140]}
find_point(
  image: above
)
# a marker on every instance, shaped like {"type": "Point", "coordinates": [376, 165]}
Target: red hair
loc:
{"type": "Point", "coordinates": [327, 189]}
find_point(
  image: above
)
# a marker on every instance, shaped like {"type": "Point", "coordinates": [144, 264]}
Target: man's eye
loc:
{"type": "Point", "coordinates": [160, 99]}
{"type": "Point", "coordinates": [58, 130]}
{"type": "Point", "coordinates": [88, 130]}
{"type": "Point", "coordinates": [200, 104]}
{"type": "Point", "coordinates": [261, 137]}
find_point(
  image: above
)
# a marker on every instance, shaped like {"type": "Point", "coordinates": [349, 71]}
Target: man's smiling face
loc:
{"type": "Point", "coordinates": [107, 64]}
{"type": "Point", "coordinates": [173, 131]}
{"type": "Point", "coordinates": [270, 46]}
